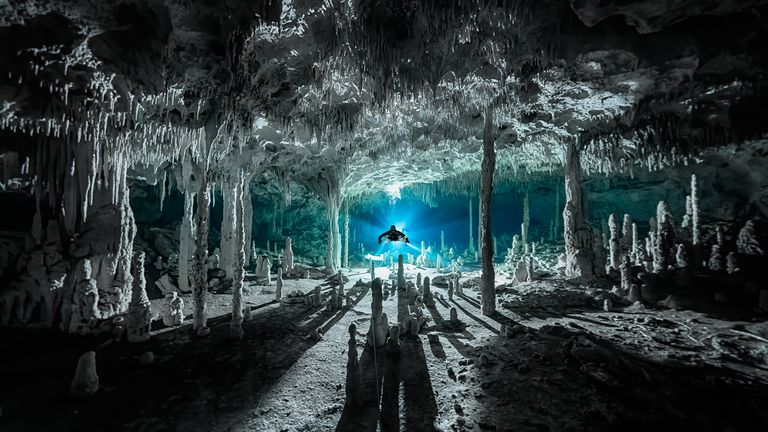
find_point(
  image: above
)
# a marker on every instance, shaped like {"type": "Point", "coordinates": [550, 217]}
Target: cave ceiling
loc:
{"type": "Point", "coordinates": [366, 93]}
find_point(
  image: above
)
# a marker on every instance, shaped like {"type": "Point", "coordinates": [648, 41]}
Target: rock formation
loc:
{"type": "Point", "coordinates": [86, 380]}
{"type": "Point", "coordinates": [139, 317]}
{"type": "Point", "coordinates": [377, 333]}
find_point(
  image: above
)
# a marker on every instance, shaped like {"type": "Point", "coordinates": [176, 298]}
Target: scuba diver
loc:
{"type": "Point", "coordinates": [394, 235]}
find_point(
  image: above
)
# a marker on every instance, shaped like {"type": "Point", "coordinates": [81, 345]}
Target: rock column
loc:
{"type": "Point", "coordinates": [200, 287]}
{"type": "Point", "coordinates": [139, 317]}
{"type": "Point", "coordinates": [577, 236]}
{"type": "Point", "coordinates": [488, 277]}
{"type": "Point", "coordinates": [236, 324]}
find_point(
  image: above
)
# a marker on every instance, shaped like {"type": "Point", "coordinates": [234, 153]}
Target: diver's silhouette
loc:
{"type": "Point", "coordinates": [394, 235]}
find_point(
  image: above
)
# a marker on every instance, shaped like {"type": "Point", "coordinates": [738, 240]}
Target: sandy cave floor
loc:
{"type": "Point", "coordinates": [570, 367]}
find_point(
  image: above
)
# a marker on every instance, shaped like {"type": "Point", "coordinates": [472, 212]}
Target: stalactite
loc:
{"type": "Point", "coordinates": [487, 276]}
{"type": "Point", "coordinates": [200, 270]}
{"type": "Point", "coordinates": [163, 189]}
{"type": "Point", "coordinates": [236, 324]}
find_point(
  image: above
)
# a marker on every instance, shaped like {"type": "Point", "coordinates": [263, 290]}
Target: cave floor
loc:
{"type": "Point", "coordinates": [570, 367]}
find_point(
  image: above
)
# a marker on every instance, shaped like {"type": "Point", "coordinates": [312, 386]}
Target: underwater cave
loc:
{"type": "Point", "coordinates": [363, 215]}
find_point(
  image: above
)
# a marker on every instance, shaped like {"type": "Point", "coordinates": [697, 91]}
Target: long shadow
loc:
{"type": "Point", "coordinates": [418, 397]}
{"type": "Point", "coordinates": [329, 318]}
{"type": "Point", "coordinates": [194, 384]}
{"type": "Point", "coordinates": [471, 301]}
{"type": "Point", "coordinates": [474, 317]}
{"type": "Point", "coordinates": [390, 395]}
{"type": "Point", "coordinates": [361, 412]}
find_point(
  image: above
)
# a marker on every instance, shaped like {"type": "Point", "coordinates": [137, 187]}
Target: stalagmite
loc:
{"type": "Point", "coordinates": [529, 269]}
{"type": "Point", "coordinates": [377, 333]}
{"type": "Point", "coordinates": [334, 302]}
{"type": "Point", "coordinates": [236, 323]}
{"type": "Point", "coordinates": [139, 317]}
{"type": "Point", "coordinates": [732, 263]}
{"type": "Point", "coordinates": [681, 256]}
{"type": "Point", "coordinates": [85, 302]}
{"type": "Point", "coordinates": [400, 273]}
{"type": "Point", "coordinates": [635, 251]}
{"type": "Point", "coordinates": [747, 242]}
{"type": "Point", "coordinates": [187, 235]}
{"type": "Point", "coordinates": [341, 286]}
{"type": "Point", "coordinates": [288, 256]}
{"type": "Point", "coordinates": [450, 290]}
{"type": "Point", "coordinates": [614, 245]}
{"type": "Point", "coordinates": [173, 309]}
{"type": "Point", "coordinates": [418, 280]}
{"type": "Point", "coordinates": [279, 284]}
{"type": "Point", "coordinates": [664, 239]}
{"type": "Point", "coordinates": [200, 271]}
{"type": "Point", "coordinates": [716, 262]}
{"type": "Point", "coordinates": [373, 271]}
{"type": "Point", "coordinates": [457, 288]}
{"type": "Point", "coordinates": [266, 272]}
{"type": "Point", "coordinates": [577, 236]}
{"type": "Point", "coordinates": [516, 245]}
{"type": "Point", "coordinates": [526, 217]}
{"type": "Point", "coordinates": [488, 166]}
{"type": "Point", "coordinates": [442, 241]}
{"type": "Point", "coordinates": [427, 296]}
{"type": "Point", "coordinates": [626, 234]}
{"type": "Point", "coordinates": [438, 263]}
{"type": "Point", "coordinates": [86, 380]}
{"type": "Point", "coordinates": [625, 271]}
